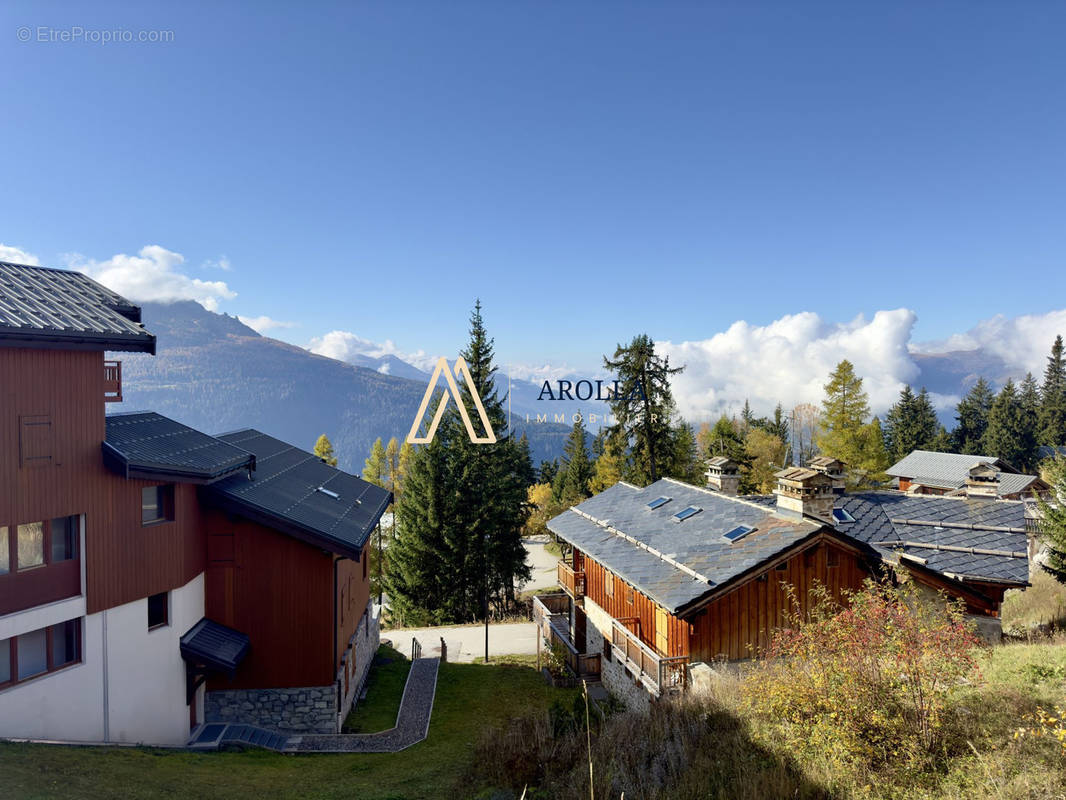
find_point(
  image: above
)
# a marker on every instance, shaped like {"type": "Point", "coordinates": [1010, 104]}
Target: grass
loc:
{"type": "Point", "coordinates": [469, 697]}
{"type": "Point", "coordinates": [384, 691]}
{"type": "Point", "coordinates": [1043, 603]}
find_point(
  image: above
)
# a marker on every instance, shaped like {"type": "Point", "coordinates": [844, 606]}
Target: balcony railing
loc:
{"type": "Point", "coordinates": [112, 381]}
{"type": "Point", "coordinates": [658, 673]}
{"type": "Point", "coordinates": [551, 613]}
{"type": "Point", "coordinates": [572, 581]}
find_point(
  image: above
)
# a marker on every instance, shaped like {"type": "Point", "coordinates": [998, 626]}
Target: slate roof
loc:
{"type": "Point", "coordinates": [215, 645]}
{"type": "Point", "coordinates": [676, 563]}
{"type": "Point", "coordinates": [950, 470]}
{"type": "Point", "coordinates": [293, 491]}
{"type": "Point", "coordinates": [60, 308]}
{"type": "Point", "coordinates": [949, 525]}
{"type": "Point", "coordinates": [148, 445]}
{"type": "Point", "coordinates": [1047, 451]}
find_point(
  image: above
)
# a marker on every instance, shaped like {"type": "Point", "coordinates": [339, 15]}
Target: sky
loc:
{"type": "Point", "coordinates": [878, 176]}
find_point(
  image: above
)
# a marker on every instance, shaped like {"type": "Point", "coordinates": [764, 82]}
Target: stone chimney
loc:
{"type": "Point", "coordinates": [723, 475]}
{"type": "Point", "coordinates": [982, 481]}
{"type": "Point", "coordinates": [805, 492]}
{"type": "Point", "coordinates": [831, 467]}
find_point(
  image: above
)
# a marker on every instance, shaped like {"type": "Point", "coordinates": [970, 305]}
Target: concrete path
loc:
{"type": "Point", "coordinates": [542, 563]}
{"type": "Point", "coordinates": [412, 722]}
{"type": "Point", "coordinates": [466, 643]}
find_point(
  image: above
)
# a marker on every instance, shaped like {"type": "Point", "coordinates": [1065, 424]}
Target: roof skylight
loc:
{"type": "Point", "coordinates": [842, 515]}
{"type": "Point", "coordinates": [685, 513]}
{"type": "Point", "coordinates": [738, 532]}
{"type": "Point", "coordinates": [328, 493]}
{"type": "Point", "coordinates": [659, 502]}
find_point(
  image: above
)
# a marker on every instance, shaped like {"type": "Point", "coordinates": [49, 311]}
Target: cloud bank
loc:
{"type": "Point", "coordinates": [264, 323]}
{"type": "Point", "coordinates": [16, 255]}
{"type": "Point", "coordinates": [345, 346]}
{"type": "Point", "coordinates": [152, 275]}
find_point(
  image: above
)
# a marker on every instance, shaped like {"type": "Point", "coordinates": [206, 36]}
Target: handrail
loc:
{"type": "Point", "coordinates": [659, 670]}
{"type": "Point", "coordinates": [573, 581]}
{"type": "Point", "coordinates": [416, 648]}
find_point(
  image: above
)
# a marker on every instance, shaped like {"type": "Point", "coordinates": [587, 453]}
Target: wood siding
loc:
{"type": "Point", "coordinates": [737, 624]}
{"type": "Point", "coordinates": [353, 596]}
{"type": "Point", "coordinates": [278, 591]}
{"type": "Point", "coordinates": [627, 602]}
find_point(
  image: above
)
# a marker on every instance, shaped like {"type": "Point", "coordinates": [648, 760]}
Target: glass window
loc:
{"type": "Point", "coordinates": [5, 552]}
{"type": "Point", "coordinates": [33, 653]}
{"type": "Point", "coordinates": [5, 661]}
{"type": "Point", "coordinates": [65, 643]}
{"type": "Point", "coordinates": [31, 545]}
{"type": "Point", "coordinates": [157, 610]}
{"type": "Point", "coordinates": [685, 513]}
{"type": "Point", "coordinates": [157, 503]}
{"type": "Point", "coordinates": [64, 538]}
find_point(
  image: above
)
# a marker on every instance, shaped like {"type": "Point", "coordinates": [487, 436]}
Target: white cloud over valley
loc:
{"type": "Point", "coordinates": [345, 346]}
{"type": "Point", "coordinates": [264, 323]}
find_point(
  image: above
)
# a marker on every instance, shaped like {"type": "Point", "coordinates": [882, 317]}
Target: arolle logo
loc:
{"type": "Point", "coordinates": [451, 390]}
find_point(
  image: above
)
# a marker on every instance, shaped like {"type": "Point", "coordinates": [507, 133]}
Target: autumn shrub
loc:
{"type": "Point", "coordinates": [869, 681]}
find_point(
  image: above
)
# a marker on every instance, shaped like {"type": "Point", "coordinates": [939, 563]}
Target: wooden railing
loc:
{"type": "Point", "coordinates": [658, 673]}
{"type": "Point", "coordinates": [551, 613]}
{"type": "Point", "coordinates": [112, 381]}
{"type": "Point", "coordinates": [572, 581]}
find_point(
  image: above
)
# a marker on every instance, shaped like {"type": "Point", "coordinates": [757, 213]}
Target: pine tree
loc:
{"type": "Point", "coordinates": [324, 450]}
{"type": "Point", "coordinates": [1004, 436]}
{"type": "Point", "coordinates": [547, 471]}
{"type": "Point", "coordinates": [1053, 398]}
{"type": "Point", "coordinates": [462, 510]}
{"type": "Point", "coordinates": [972, 416]}
{"type": "Point", "coordinates": [642, 407]}
{"type": "Point", "coordinates": [571, 484]}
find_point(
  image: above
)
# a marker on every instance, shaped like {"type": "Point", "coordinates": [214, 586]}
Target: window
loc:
{"type": "Point", "coordinates": [157, 504]}
{"type": "Point", "coordinates": [32, 653]}
{"type": "Point", "coordinates": [40, 652]}
{"type": "Point", "coordinates": [608, 583]}
{"type": "Point", "coordinates": [658, 502]}
{"type": "Point", "coordinates": [685, 513]}
{"type": "Point", "coordinates": [5, 554]}
{"type": "Point", "coordinates": [157, 611]}
{"type": "Point", "coordinates": [64, 539]}
{"type": "Point", "coordinates": [35, 441]}
{"type": "Point", "coordinates": [30, 545]}
{"type": "Point", "coordinates": [629, 595]}
{"type": "Point", "coordinates": [842, 516]}
{"type": "Point", "coordinates": [738, 532]}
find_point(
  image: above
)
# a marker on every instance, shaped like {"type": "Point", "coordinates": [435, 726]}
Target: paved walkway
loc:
{"type": "Point", "coordinates": [412, 722]}
{"type": "Point", "coordinates": [466, 643]}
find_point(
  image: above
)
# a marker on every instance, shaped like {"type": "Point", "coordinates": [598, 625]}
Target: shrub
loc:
{"type": "Point", "coordinates": [869, 681]}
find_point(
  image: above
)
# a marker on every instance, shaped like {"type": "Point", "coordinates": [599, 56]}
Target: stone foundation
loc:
{"type": "Point", "coordinates": [355, 664]}
{"type": "Point", "coordinates": [615, 677]}
{"type": "Point", "coordinates": [310, 709]}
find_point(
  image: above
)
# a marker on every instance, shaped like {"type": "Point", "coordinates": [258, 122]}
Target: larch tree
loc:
{"type": "Point", "coordinates": [766, 455]}
{"type": "Point", "coordinates": [609, 465]}
{"type": "Point", "coordinates": [643, 406]}
{"type": "Point", "coordinates": [324, 450]}
{"type": "Point", "coordinates": [845, 434]}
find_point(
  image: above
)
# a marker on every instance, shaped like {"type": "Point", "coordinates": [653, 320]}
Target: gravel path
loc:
{"type": "Point", "coordinates": [412, 723]}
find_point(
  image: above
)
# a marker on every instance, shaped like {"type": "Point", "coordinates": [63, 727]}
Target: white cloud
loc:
{"type": "Point", "coordinates": [264, 323]}
{"type": "Point", "coordinates": [384, 368]}
{"type": "Point", "coordinates": [344, 346]}
{"type": "Point", "coordinates": [789, 361]}
{"type": "Point", "coordinates": [152, 276]}
{"type": "Point", "coordinates": [221, 263]}
{"type": "Point", "coordinates": [540, 373]}
{"type": "Point", "coordinates": [15, 255]}
{"type": "Point", "coordinates": [1022, 342]}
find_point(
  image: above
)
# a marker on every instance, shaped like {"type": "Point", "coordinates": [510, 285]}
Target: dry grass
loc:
{"type": "Point", "coordinates": [1042, 604]}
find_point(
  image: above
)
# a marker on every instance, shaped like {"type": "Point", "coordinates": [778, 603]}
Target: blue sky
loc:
{"type": "Point", "coordinates": [591, 170]}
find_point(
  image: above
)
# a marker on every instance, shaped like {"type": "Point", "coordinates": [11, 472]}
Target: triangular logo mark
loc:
{"type": "Point", "coordinates": [451, 390]}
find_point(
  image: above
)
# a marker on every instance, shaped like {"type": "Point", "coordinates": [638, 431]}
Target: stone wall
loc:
{"type": "Point", "coordinates": [310, 709]}
{"type": "Point", "coordinates": [357, 659]}
{"type": "Point", "coordinates": [614, 676]}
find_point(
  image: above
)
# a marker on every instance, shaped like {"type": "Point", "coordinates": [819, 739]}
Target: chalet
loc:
{"type": "Point", "coordinates": [925, 472]}
{"type": "Point", "coordinates": [661, 579]}
{"type": "Point", "coordinates": [154, 577]}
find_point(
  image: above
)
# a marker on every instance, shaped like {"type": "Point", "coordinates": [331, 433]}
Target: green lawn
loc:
{"type": "Point", "coordinates": [469, 696]}
{"type": "Point", "coordinates": [384, 691]}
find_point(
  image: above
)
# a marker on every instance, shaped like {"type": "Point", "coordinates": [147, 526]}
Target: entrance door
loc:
{"type": "Point", "coordinates": [662, 635]}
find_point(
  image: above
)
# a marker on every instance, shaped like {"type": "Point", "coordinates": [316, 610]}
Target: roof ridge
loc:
{"type": "Point", "coordinates": [979, 551]}
{"type": "Point", "coordinates": [731, 497]}
{"type": "Point", "coordinates": [645, 546]}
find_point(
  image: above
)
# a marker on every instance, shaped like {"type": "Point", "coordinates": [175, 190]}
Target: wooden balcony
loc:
{"type": "Point", "coordinates": [573, 582]}
{"type": "Point", "coordinates": [658, 673]}
{"type": "Point", "coordinates": [551, 613]}
{"type": "Point", "coordinates": [112, 381]}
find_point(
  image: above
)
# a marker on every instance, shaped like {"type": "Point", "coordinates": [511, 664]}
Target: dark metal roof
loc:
{"type": "Point", "coordinates": [214, 645]}
{"type": "Point", "coordinates": [297, 493]}
{"type": "Point", "coordinates": [64, 309]}
{"type": "Point", "coordinates": [676, 563]}
{"type": "Point", "coordinates": [149, 445]}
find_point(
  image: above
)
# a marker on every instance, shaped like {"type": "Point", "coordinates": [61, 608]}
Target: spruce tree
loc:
{"type": "Point", "coordinates": [547, 471]}
{"type": "Point", "coordinates": [779, 427]}
{"type": "Point", "coordinates": [642, 407]}
{"type": "Point", "coordinates": [910, 424]}
{"type": "Point", "coordinates": [1029, 436]}
{"type": "Point", "coordinates": [324, 450]}
{"type": "Point", "coordinates": [1004, 436]}
{"type": "Point", "coordinates": [972, 419]}
{"type": "Point", "coordinates": [686, 464]}
{"type": "Point", "coordinates": [1053, 398]}
{"type": "Point", "coordinates": [1053, 520]}
{"type": "Point", "coordinates": [571, 484]}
